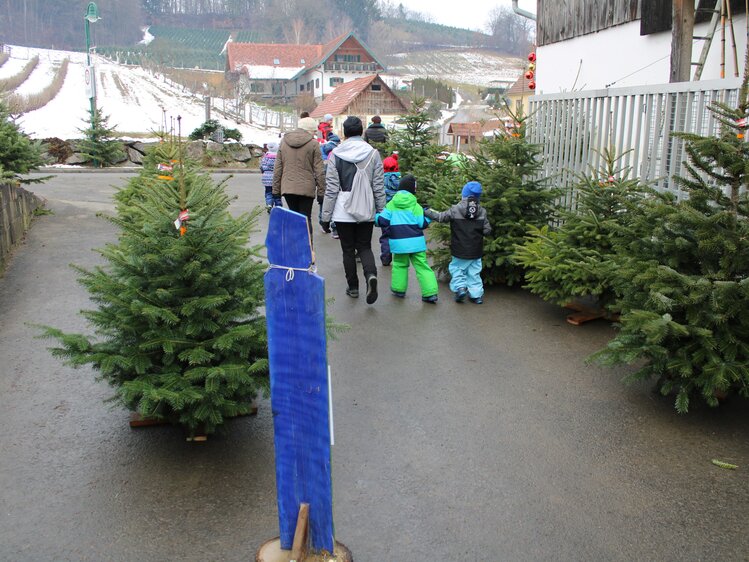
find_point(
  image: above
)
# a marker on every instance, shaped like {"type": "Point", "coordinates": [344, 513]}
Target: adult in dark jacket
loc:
{"type": "Point", "coordinates": [299, 174]}
{"type": "Point", "coordinates": [355, 234]}
{"type": "Point", "coordinates": [376, 132]}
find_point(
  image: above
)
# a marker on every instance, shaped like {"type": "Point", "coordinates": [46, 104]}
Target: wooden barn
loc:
{"type": "Point", "coordinates": [363, 97]}
{"type": "Point", "coordinates": [597, 44]}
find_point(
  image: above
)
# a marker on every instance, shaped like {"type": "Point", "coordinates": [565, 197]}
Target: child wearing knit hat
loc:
{"type": "Point", "coordinates": [468, 226]}
{"type": "Point", "coordinates": [267, 165]}
{"type": "Point", "coordinates": [404, 218]}
{"type": "Point", "coordinates": [392, 182]}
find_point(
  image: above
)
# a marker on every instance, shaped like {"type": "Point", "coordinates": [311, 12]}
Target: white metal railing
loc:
{"type": "Point", "coordinates": [573, 128]}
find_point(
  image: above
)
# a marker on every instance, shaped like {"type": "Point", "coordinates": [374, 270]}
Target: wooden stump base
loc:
{"type": "Point", "coordinates": [136, 420]}
{"type": "Point", "coordinates": [583, 313]}
{"type": "Point", "coordinates": [271, 551]}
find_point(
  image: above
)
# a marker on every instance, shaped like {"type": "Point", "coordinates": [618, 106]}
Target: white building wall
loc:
{"type": "Point", "coordinates": [620, 56]}
{"type": "Point", "coordinates": [325, 87]}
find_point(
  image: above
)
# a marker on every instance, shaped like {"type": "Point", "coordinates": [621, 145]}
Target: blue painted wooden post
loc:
{"type": "Point", "coordinates": [295, 311]}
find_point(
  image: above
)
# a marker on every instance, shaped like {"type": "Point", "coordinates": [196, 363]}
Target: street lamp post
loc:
{"type": "Point", "coordinates": [92, 15]}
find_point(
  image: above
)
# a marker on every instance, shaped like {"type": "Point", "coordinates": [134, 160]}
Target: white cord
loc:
{"type": "Point", "coordinates": [290, 270]}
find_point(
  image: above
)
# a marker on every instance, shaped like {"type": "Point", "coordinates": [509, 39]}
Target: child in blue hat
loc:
{"type": "Point", "coordinates": [468, 226]}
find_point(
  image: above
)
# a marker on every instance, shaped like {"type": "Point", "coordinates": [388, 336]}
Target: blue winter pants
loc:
{"type": "Point", "coordinates": [269, 199]}
{"type": "Point", "coordinates": [466, 274]}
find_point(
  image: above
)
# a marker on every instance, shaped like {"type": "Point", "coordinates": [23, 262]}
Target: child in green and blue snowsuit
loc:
{"type": "Point", "coordinates": [468, 226]}
{"type": "Point", "coordinates": [405, 220]}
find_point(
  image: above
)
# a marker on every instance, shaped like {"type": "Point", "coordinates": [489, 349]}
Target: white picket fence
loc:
{"type": "Point", "coordinates": [573, 128]}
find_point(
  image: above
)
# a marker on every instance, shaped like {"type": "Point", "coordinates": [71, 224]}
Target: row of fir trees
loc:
{"type": "Point", "coordinates": [676, 272]}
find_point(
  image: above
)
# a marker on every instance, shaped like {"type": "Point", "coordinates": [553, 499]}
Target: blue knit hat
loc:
{"type": "Point", "coordinates": [472, 189]}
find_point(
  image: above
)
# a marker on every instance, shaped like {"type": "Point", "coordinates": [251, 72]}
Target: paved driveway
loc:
{"type": "Point", "coordinates": [462, 433]}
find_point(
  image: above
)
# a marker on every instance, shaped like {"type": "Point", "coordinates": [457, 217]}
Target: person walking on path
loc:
{"type": "Point", "coordinates": [267, 165]}
{"type": "Point", "coordinates": [299, 174]}
{"type": "Point", "coordinates": [325, 150]}
{"type": "Point", "coordinates": [392, 181]}
{"type": "Point", "coordinates": [468, 226]}
{"type": "Point", "coordinates": [376, 132]}
{"type": "Point", "coordinates": [325, 128]}
{"type": "Point", "coordinates": [406, 222]}
{"type": "Point", "coordinates": [351, 158]}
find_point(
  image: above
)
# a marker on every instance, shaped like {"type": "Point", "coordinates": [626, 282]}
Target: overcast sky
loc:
{"type": "Point", "coordinates": [471, 14]}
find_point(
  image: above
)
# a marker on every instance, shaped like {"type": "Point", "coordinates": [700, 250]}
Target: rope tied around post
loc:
{"type": "Point", "coordinates": [290, 270]}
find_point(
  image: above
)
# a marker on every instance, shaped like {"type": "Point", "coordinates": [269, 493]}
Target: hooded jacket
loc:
{"type": "Point", "coordinates": [299, 167]}
{"type": "Point", "coordinates": [267, 165]}
{"type": "Point", "coordinates": [406, 222]}
{"type": "Point", "coordinates": [376, 132]}
{"type": "Point", "coordinates": [339, 178]}
{"type": "Point", "coordinates": [466, 235]}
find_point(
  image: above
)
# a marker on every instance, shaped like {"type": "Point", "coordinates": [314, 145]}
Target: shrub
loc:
{"type": "Point", "coordinates": [12, 82]}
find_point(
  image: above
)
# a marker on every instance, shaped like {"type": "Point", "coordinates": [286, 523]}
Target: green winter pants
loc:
{"type": "Point", "coordinates": [424, 273]}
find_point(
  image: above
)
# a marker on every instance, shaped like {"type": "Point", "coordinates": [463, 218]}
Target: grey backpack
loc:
{"type": "Point", "coordinates": [361, 204]}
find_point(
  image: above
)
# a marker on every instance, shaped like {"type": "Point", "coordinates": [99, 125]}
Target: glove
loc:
{"type": "Point", "coordinates": [320, 200]}
{"type": "Point", "coordinates": [326, 226]}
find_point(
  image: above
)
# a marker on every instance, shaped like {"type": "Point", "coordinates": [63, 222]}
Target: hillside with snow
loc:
{"type": "Point", "coordinates": [136, 100]}
{"type": "Point", "coordinates": [476, 67]}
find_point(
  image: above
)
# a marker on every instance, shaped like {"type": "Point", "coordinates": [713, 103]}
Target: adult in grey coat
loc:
{"type": "Point", "coordinates": [355, 235]}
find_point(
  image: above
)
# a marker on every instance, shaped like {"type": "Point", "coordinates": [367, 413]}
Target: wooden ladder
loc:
{"type": "Point", "coordinates": [708, 39]}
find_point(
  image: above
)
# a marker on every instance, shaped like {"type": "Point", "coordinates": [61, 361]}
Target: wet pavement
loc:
{"type": "Point", "coordinates": [463, 432]}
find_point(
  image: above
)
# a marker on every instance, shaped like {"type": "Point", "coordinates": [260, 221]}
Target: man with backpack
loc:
{"type": "Point", "coordinates": [354, 193]}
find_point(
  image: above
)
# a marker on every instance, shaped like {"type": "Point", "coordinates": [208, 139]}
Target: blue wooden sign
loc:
{"type": "Point", "coordinates": [300, 400]}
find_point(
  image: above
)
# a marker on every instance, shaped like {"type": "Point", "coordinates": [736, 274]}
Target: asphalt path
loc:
{"type": "Point", "coordinates": [463, 432]}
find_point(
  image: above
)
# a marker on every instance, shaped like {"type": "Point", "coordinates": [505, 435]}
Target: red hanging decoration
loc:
{"type": "Point", "coordinates": [532, 57]}
{"type": "Point", "coordinates": [531, 85]}
{"type": "Point", "coordinates": [529, 75]}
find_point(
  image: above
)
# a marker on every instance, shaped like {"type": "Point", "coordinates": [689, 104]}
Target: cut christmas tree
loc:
{"type": "Point", "coordinates": [515, 197]}
{"type": "Point", "coordinates": [177, 328]}
{"type": "Point", "coordinates": [568, 262]}
{"type": "Point", "coordinates": [100, 142]}
{"type": "Point", "coordinates": [685, 287]}
{"type": "Point", "coordinates": [18, 153]}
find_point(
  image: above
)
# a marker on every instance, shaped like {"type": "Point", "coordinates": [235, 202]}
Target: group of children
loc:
{"type": "Point", "coordinates": [403, 222]}
{"type": "Point", "coordinates": [403, 243]}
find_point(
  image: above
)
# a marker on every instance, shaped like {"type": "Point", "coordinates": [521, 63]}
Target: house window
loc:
{"type": "Point", "coordinates": [336, 81]}
{"type": "Point", "coordinates": [376, 87]}
{"type": "Point", "coordinates": [317, 83]}
{"type": "Point", "coordinates": [276, 61]}
{"type": "Point", "coordinates": [301, 87]}
{"type": "Point", "coordinates": [257, 87]}
{"type": "Point", "coordinates": [348, 58]}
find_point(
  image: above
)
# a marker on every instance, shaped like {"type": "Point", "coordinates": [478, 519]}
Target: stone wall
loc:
{"type": "Point", "coordinates": [17, 207]}
{"type": "Point", "coordinates": [210, 154]}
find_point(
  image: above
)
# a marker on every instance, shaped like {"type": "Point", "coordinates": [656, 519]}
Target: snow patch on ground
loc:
{"type": "Point", "coordinates": [135, 100]}
{"type": "Point", "coordinates": [147, 37]}
{"type": "Point", "coordinates": [39, 79]}
{"type": "Point", "coordinates": [12, 67]}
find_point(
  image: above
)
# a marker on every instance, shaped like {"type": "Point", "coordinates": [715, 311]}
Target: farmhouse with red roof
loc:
{"type": "Point", "coordinates": [364, 97]}
{"type": "Point", "coordinates": [285, 70]}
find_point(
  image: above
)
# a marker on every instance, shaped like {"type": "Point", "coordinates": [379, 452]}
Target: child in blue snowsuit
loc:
{"type": "Point", "coordinates": [267, 165]}
{"type": "Point", "coordinates": [468, 226]}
